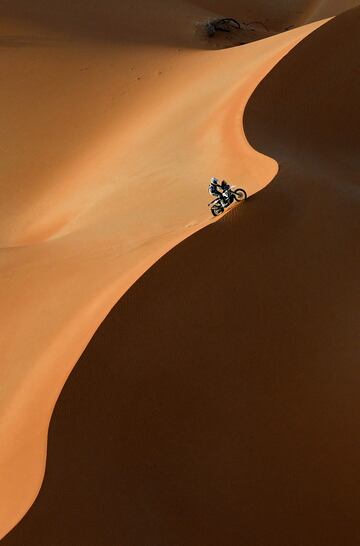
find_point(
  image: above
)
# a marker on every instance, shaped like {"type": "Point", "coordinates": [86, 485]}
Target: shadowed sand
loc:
{"type": "Point", "coordinates": [218, 403]}
{"type": "Point", "coordinates": [106, 152]}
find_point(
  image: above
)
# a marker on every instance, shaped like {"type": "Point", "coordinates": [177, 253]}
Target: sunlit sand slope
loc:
{"type": "Point", "coordinates": [218, 403]}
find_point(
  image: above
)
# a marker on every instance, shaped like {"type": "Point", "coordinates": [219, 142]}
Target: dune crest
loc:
{"type": "Point", "coordinates": [162, 128]}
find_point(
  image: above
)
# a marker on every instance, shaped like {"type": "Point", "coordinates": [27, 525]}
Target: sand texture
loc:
{"type": "Point", "coordinates": [218, 402]}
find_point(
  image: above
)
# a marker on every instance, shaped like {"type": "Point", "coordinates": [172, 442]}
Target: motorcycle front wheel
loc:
{"type": "Point", "coordinates": [240, 194]}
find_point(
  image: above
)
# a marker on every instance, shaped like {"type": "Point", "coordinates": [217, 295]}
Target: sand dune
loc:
{"type": "Point", "coordinates": [74, 239]}
{"type": "Point", "coordinates": [218, 403]}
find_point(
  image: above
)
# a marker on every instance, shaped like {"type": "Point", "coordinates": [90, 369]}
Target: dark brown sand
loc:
{"type": "Point", "coordinates": [219, 402]}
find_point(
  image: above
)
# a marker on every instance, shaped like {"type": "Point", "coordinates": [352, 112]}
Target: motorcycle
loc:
{"type": "Point", "coordinates": [228, 196]}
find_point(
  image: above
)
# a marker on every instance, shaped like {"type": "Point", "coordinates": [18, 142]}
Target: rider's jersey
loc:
{"type": "Point", "coordinates": [222, 190]}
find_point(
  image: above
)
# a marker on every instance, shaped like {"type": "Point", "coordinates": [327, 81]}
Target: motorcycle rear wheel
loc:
{"type": "Point", "coordinates": [217, 210]}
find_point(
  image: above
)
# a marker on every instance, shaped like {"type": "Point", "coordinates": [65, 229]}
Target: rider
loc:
{"type": "Point", "coordinates": [217, 189]}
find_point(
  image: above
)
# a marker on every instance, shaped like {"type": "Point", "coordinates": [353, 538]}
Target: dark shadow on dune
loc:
{"type": "Point", "coordinates": [27, 41]}
{"type": "Point", "coordinates": [277, 15]}
{"type": "Point", "coordinates": [157, 22]}
{"type": "Point", "coordinates": [219, 402]}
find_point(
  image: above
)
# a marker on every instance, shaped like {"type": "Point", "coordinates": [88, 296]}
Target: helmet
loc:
{"type": "Point", "coordinates": [214, 180]}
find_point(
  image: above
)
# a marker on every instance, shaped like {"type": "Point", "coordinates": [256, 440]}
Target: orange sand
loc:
{"type": "Point", "coordinates": [108, 139]}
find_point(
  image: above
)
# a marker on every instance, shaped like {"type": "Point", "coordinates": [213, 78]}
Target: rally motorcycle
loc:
{"type": "Point", "coordinates": [225, 196]}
